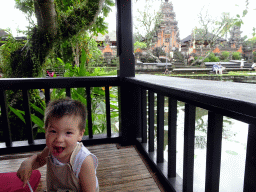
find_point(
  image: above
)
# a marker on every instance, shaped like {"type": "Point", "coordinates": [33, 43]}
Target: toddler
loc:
{"type": "Point", "coordinates": [70, 165]}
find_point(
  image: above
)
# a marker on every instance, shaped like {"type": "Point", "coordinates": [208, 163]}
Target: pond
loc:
{"type": "Point", "coordinates": [234, 139]}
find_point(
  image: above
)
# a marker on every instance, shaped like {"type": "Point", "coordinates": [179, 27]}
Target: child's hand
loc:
{"type": "Point", "coordinates": [24, 172]}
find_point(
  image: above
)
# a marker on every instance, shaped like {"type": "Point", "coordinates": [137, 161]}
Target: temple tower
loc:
{"type": "Point", "coordinates": [168, 34]}
{"type": "Point", "coordinates": [235, 37]}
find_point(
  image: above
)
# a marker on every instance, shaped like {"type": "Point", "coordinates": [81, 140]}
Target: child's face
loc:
{"type": "Point", "coordinates": [62, 136]}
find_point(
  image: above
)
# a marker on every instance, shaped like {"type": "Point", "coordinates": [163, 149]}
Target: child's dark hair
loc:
{"type": "Point", "coordinates": [61, 107]}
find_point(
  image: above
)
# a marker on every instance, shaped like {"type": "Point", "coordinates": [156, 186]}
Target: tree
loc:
{"type": "Point", "coordinates": [56, 22]}
{"type": "Point", "coordinates": [211, 30]}
{"type": "Point", "coordinates": [148, 22]}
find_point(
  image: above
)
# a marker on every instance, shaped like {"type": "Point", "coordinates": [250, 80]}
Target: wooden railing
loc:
{"type": "Point", "coordinates": [220, 99]}
{"type": "Point", "coordinates": [49, 83]}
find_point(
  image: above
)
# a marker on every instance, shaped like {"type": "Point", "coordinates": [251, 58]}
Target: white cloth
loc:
{"type": "Point", "coordinates": [79, 159]}
{"type": "Point", "coordinates": [242, 63]}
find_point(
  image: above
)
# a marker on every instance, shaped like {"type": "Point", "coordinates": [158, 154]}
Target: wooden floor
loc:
{"type": "Point", "coordinates": [119, 169]}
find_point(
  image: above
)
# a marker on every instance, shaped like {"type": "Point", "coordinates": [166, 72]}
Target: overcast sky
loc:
{"type": "Point", "coordinates": [186, 14]}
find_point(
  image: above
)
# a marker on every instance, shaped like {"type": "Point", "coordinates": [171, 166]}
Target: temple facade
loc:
{"type": "Point", "coordinates": [107, 44]}
{"type": "Point", "coordinates": [193, 43]}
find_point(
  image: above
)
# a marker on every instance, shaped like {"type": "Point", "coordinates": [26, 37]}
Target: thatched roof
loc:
{"type": "Point", "coordinates": [199, 37]}
{"type": "Point", "coordinates": [3, 33]}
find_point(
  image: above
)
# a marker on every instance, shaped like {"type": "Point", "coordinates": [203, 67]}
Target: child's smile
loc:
{"type": "Point", "coordinates": [57, 150]}
{"type": "Point", "coordinates": [62, 136]}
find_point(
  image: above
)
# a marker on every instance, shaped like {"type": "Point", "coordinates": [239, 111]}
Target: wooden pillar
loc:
{"type": "Point", "coordinates": [129, 95]}
{"type": "Point", "coordinates": [124, 35]}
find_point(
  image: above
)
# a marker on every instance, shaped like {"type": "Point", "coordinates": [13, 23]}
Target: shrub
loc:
{"type": "Point", "coordinates": [236, 55]}
{"type": "Point", "coordinates": [254, 57]}
{"type": "Point", "coordinates": [213, 58]}
{"type": "Point", "coordinates": [206, 59]}
{"type": "Point", "coordinates": [224, 55]}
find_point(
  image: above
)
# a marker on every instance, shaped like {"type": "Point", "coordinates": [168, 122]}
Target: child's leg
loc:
{"type": "Point", "coordinates": [10, 182]}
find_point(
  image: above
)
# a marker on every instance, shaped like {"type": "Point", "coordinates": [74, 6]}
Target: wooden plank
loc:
{"type": "Point", "coordinates": [118, 170]}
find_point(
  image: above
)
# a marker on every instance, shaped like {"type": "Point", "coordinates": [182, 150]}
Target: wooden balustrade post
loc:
{"type": "Point", "coordinates": [213, 156]}
{"type": "Point", "coordinates": [5, 119]}
{"type": "Point", "coordinates": [189, 141]}
{"type": "Point", "coordinates": [250, 165]}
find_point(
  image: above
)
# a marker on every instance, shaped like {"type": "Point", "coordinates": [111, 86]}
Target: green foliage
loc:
{"type": "Point", "coordinates": [16, 114]}
{"type": "Point", "coordinates": [236, 55]}
{"type": "Point", "coordinates": [97, 94]}
{"type": "Point", "coordinates": [213, 58]}
{"type": "Point", "coordinates": [211, 29]}
{"type": "Point", "coordinates": [224, 55]}
{"type": "Point", "coordinates": [71, 51]}
{"type": "Point", "coordinates": [77, 15]}
{"type": "Point", "coordinates": [140, 45]}
{"type": "Point", "coordinates": [27, 7]}
{"type": "Point", "coordinates": [6, 52]}
{"type": "Point", "coordinates": [207, 60]}
{"type": "Point", "coordinates": [36, 120]}
{"type": "Point", "coordinates": [251, 41]}
{"type": "Point", "coordinates": [148, 21]}
{"type": "Point", "coordinates": [254, 56]}
{"type": "Point", "coordinates": [98, 106]}
{"type": "Point", "coordinates": [74, 17]}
